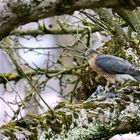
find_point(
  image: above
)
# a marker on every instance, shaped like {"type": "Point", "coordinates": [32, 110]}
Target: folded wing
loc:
{"type": "Point", "coordinates": [112, 64]}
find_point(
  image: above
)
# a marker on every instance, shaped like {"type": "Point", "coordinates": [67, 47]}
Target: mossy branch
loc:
{"type": "Point", "coordinates": [54, 31]}
{"type": "Point", "coordinates": [131, 17]}
{"type": "Point", "coordinates": [5, 77]}
{"type": "Point", "coordinates": [15, 13]}
{"type": "Point", "coordinates": [60, 31]}
{"type": "Point", "coordinates": [93, 119]}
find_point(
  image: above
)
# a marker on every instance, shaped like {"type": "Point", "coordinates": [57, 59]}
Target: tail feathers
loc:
{"type": "Point", "coordinates": [135, 74]}
{"type": "Point", "coordinates": [136, 77]}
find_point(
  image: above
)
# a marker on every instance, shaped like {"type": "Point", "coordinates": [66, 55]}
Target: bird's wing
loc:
{"type": "Point", "coordinates": [112, 64]}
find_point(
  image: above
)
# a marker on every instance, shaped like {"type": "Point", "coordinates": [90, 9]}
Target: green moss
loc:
{"type": "Point", "coordinates": [36, 119]}
{"type": "Point", "coordinates": [42, 27]}
{"type": "Point", "coordinates": [61, 120]}
{"type": "Point", "coordinates": [129, 58]}
{"type": "Point", "coordinates": [110, 48]}
{"type": "Point", "coordinates": [36, 116]}
{"type": "Point", "coordinates": [67, 105]}
{"type": "Point", "coordinates": [61, 104]}
{"type": "Point", "coordinates": [9, 125]}
{"type": "Point", "coordinates": [64, 118]}
{"type": "Point", "coordinates": [89, 105]}
{"type": "Point", "coordinates": [10, 134]}
{"type": "Point", "coordinates": [125, 97]}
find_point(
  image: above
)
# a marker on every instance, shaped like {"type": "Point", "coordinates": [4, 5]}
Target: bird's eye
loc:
{"type": "Point", "coordinates": [89, 53]}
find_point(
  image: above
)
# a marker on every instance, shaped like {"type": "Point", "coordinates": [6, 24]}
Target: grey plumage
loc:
{"type": "Point", "coordinates": [135, 74]}
{"type": "Point", "coordinates": [115, 65]}
{"type": "Point", "coordinates": [112, 64]}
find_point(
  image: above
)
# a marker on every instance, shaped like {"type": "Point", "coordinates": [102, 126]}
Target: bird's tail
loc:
{"type": "Point", "coordinates": [136, 77]}
{"type": "Point", "coordinates": [135, 74]}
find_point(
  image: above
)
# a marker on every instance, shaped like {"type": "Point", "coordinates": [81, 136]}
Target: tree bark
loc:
{"type": "Point", "coordinates": [19, 12]}
{"type": "Point", "coordinates": [99, 118]}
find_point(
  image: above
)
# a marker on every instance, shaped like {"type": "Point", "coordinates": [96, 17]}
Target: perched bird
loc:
{"type": "Point", "coordinates": [112, 68]}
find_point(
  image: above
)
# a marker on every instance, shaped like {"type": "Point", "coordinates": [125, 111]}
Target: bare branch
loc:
{"type": "Point", "coordinates": [50, 73]}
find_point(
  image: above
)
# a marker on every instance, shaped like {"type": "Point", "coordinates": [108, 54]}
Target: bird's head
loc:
{"type": "Point", "coordinates": [89, 53]}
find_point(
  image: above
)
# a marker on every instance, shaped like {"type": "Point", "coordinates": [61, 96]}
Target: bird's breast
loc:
{"type": "Point", "coordinates": [110, 77]}
{"type": "Point", "coordinates": [92, 63]}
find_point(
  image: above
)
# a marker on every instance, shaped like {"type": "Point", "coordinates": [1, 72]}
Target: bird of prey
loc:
{"type": "Point", "coordinates": [112, 68]}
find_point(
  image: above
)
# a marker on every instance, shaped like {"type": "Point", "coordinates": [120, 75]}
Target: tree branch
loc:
{"type": "Point", "coordinates": [15, 13]}
{"type": "Point", "coordinates": [54, 31]}
{"type": "Point", "coordinates": [93, 119]}
{"type": "Point", "coordinates": [4, 77]}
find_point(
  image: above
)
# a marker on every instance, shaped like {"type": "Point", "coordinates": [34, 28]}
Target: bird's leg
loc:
{"type": "Point", "coordinates": [97, 78]}
{"type": "Point", "coordinates": [106, 87]}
